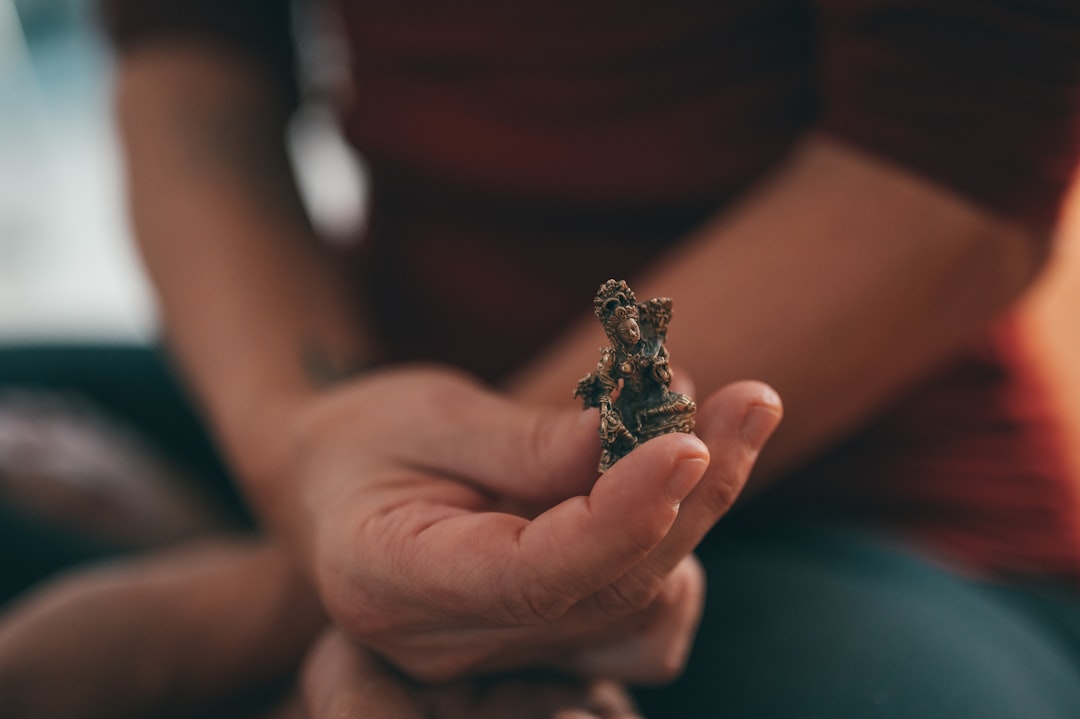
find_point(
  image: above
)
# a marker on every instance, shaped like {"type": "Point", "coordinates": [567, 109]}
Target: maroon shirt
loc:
{"type": "Point", "coordinates": [504, 139]}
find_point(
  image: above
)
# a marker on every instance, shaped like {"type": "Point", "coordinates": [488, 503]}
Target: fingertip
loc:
{"type": "Point", "coordinates": [684, 478]}
{"type": "Point", "coordinates": [664, 454]}
{"type": "Point", "coordinates": [691, 461]}
{"type": "Point", "coordinates": [686, 446]}
{"type": "Point", "coordinates": [762, 417]}
{"type": "Point", "coordinates": [769, 400]}
{"type": "Point", "coordinates": [758, 424]}
{"type": "Point", "coordinates": [748, 409]}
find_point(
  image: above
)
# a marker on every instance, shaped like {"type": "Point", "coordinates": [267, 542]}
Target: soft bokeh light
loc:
{"type": "Point", "coordinates": [68, 270]}
{"type": "Point", "coordinates": [66, 265]}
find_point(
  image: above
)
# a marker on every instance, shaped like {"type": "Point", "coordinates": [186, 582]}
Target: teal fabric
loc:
{"type": "Point", "coordinates": [815, 621]}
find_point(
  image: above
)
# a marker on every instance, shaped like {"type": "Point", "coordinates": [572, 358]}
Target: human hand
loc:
{"type": "Point", "coordinates": [342, 680]}
{"type": "Point", "coordinates": [401, 480]}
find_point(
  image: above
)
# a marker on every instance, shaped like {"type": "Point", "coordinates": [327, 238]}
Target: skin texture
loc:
{"type": "Point", "coordinates": [176, 633]}
{"type": "Point", "coordinates": [342, 680]}
{"type": "Point", "coordinates": [199, 215]}
{"type": "Point", "coordinates": [208, 626]}
{"type": "Point", "coordinates": [836, 262]}
{"type": "Point", "coordinates": [857, 262]}
{"type": "Point", "coordinates": [600, 580]}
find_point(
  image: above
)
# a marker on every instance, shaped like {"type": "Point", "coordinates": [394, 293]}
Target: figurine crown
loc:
{"type": "Point", "coordinates": [611, 295]}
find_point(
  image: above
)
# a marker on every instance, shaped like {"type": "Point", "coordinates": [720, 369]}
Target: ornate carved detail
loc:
{"type": "Point", "coordinates": [631, 383]}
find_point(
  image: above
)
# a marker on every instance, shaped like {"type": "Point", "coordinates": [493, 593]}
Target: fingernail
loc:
{"type": "Point", "coordinates": [684, 478]}
{"type": "Point", "coordinates": [760, 420]}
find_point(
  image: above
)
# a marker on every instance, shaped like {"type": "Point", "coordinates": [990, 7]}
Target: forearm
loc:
{"type": "Point", "coordinates": [176, 632]}
{"type": "Point", "coordinates": [248, 297]}
{"type": "Point", "coordinates": [840, 281]}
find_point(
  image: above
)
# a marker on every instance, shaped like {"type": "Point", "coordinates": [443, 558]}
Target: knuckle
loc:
{"type": "Point", "coordinates": [355, 615]}
{"type": "Point", "coordinates": [357, 612]}
{"type": "Point", "coordinates": [538, 603]}
{"type": "Point", "coordinates": [632, 593]}
{"type": "Point", "coordinates": [719, 493]}
{"type": "Point", "coordinates": [648, 531]}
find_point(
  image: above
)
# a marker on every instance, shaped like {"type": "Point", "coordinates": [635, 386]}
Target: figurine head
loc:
{"type": "Point", "coordinates": [616, 307]}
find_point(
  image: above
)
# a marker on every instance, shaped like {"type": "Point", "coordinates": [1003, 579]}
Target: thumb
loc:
{"type": "Point", "coordinates": [585, 543]}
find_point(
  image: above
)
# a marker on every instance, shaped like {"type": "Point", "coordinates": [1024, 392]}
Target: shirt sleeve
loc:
{"type": "Point", "coordinates": [982, 96]}
{"type": "Point", "coordinates": [260, 29]}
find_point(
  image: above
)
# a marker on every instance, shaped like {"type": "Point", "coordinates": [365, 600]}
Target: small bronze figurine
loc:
{"type": "Point", "coordinates": [630, 384]}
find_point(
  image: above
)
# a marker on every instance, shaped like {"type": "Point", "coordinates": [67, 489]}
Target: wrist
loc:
{"type": "Point", "coordinates": [252, 428]}
{"type": "Point", "coordinates": [256, 422]}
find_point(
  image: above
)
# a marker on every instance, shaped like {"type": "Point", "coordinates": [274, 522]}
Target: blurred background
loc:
{"type": "Point", "coordinates": [74, 484]}
{"type": "Point", "coordinates": [67, 267]}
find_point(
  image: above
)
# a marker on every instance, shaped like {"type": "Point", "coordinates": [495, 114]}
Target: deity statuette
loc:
{"type": "Point", "coordinates": [631, 383]}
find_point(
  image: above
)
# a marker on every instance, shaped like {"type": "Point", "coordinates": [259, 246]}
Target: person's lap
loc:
{"type": "Point", "coordinates": [801, 621]}
{"type": "Point", "coordinates": [817, 621]}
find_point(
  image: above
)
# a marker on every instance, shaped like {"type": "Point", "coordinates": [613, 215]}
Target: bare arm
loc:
{"type": "Point", "coordinates": [840, 281]}
{"type": "Point", "coordinates": [371, 483]}
{"type": "Point", "coordinates": [176, 632]}
{"type": "Point", "coordinates": [245, 290]}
